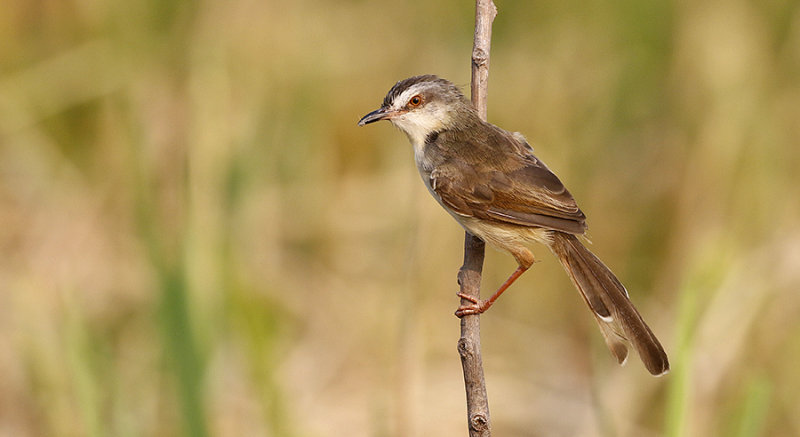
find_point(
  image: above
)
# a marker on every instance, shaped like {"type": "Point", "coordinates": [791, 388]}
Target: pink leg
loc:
{"type": "Point", "coordinates": [478, 306]}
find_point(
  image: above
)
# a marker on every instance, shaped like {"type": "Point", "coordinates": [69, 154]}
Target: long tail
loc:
{"type": "Point", "coordinates": [607, 298]}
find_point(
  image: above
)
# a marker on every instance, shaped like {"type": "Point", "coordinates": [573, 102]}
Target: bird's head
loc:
{"type": "Point", "coordinates": [421, 105]}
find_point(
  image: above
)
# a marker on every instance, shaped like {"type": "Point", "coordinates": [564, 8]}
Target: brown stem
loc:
{"type": "Point", "coordinates": [469, 277]}
{"type": "Point", "coordinates": [469, 345]}
{"type": "Point", "coordinates": [485, 11]}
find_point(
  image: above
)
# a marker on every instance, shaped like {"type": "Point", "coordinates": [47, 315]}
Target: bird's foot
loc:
{"type": "Point", "coordinates": [477, 306]}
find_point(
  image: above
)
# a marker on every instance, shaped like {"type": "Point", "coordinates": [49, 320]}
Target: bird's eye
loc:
{"type": "Point", "coordinates": [415, 101]}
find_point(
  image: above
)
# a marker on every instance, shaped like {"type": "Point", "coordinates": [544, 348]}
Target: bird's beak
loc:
{"type": "Point", "coordinates": [377, 115]}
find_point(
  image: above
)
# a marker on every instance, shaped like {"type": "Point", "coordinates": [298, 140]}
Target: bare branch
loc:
{"type": "Point", "coordinates": [469, 277]}
{"type": "Point", "coordinates": [485, 11]}
{"type": "Point", "coordinates": [469, 345]}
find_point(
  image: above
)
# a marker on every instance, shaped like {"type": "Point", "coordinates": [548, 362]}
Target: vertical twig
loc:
{"type": "Point", "coordinates": [485, 11]}
{"type": "Point", "coordinates": [469, 345]}
{"type": "Point", "coordinates": [469, 277]}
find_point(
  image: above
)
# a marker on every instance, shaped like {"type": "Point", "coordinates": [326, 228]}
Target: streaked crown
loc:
{"type": "Point", "coordinates": [428, 86]}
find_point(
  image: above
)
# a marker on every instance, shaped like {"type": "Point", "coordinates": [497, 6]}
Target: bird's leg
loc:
{"type": "Point", "coordinates": [524, 258]}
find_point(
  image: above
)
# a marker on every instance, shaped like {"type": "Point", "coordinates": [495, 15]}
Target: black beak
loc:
{"type": "Point", "coordinates": [376, 115]}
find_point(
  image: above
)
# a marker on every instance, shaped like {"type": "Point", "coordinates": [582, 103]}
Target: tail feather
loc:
{"type": "Point", "coordinates": [618, 319]}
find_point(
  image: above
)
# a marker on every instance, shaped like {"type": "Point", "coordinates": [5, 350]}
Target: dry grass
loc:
{"type": "Point", "coordinates": [198, 240]}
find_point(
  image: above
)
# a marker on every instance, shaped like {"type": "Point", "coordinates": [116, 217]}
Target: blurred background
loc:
{"type": "Point", "coordinates": [198, 240]}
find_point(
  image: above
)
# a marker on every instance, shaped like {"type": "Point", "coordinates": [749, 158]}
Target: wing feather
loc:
{"type": "Point", "coordinates": [519, 190]}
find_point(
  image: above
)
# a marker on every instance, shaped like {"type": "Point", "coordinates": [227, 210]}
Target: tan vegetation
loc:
{"type": "Point", "coordinates": [197, 239]}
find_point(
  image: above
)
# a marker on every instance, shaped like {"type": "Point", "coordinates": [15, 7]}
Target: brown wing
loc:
{"type": "Point", "coordinates": [520, 189]}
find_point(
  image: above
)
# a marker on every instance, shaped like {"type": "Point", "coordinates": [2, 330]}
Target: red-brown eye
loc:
{"type": "Point", "coordinates": [415, 101]}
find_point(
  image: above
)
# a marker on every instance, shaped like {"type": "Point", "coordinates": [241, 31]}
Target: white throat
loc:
{"type": "Point", "coordinates": [417, 125]}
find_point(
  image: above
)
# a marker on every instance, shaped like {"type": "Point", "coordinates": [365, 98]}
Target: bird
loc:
{"type": "Point", "coordinates": [493, 185]}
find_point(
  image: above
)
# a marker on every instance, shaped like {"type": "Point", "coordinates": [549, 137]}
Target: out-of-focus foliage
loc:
{"type": "Point", "coordinates": [197, 239]}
